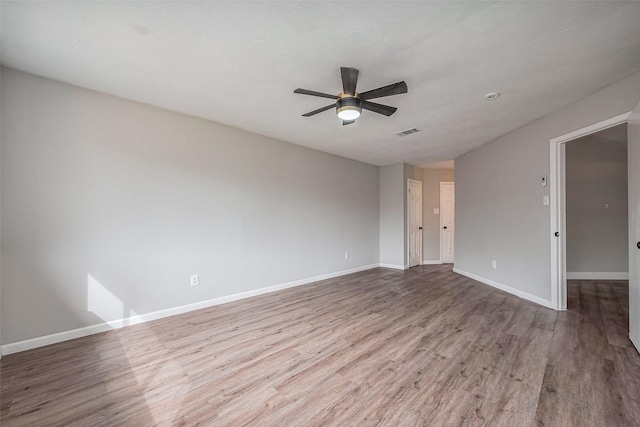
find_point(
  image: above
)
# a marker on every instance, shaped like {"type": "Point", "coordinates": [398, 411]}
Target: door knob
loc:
{"type": "Point", "coordinates": [638, 245]}
{"type": "Point", "coordinates": [419, 228]}
{"type": "Point", "coordinates": [445, 227]}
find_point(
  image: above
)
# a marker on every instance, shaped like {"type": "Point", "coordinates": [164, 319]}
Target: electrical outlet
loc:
{"type": "Point", "coordinates": [195, 280]}
{"type": "Point", "coordinates": [346, 255]}
{"type": "Point", "coordinates": [494, 264]}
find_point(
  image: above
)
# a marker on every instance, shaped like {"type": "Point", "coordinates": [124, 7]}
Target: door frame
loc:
{"type": "Point", "coordinates": [557, 205]}
{"type": "Point", "coordinates": [420, 231]}
{"type": "Point", "coordinates": [441, 229]}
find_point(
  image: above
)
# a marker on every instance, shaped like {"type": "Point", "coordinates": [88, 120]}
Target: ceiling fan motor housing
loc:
{"type": "Point", "coordinates": [348, 107]}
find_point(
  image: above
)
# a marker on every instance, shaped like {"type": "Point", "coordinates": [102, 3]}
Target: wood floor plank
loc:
{"type": "Point", "coordinates": [522, 322]}
{"type": "Point", "coordinates": [600, 398]}
{"type": "Point", "coordinates": [627, 381]}
{"type": "Point", "coordinates": [565, 350]}
{"type": "Point", "coordinates": [530, 363]}
{"type": "Point", "coordinates": [558, 397]}
{"type": "Point", "coordinates": [544, 318]}
{"type": "Point", "coordinates": [423, 346]}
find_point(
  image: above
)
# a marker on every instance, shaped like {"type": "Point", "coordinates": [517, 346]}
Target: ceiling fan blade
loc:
{"type": "Point", "coordinates": [378, 108]}
{"type": "Point", "coordinates": [392, 89]}
{"type": "Point", "coordinates": [319, 110]}
{"type": "Point", "coordinates": [314, 93]}
{"type": "Point", "coordinates": [349, 80]}
{"type": "Point", "coordinates": [347, 122]}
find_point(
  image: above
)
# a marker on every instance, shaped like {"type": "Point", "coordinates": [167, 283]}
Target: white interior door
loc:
{"type": "Point", "coordinates": [414, 219]}
{"type": "Point", "coordinates": [447, 226]}
{"type": "Point", "coordinates": [633, 147]}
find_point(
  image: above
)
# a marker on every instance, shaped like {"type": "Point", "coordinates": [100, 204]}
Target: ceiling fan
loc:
{"type": "Point", "coordinates": [349, 103]}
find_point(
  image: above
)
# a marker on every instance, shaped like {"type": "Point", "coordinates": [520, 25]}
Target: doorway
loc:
{"type": "Point", "coordinates": [558, 206]}
{"type": "Point", "coordinates": [596, 202]}
{"type": "Point", "coordinates": [447, 223]}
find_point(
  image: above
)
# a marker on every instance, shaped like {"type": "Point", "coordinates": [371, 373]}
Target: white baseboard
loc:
{"type": "Point", "coordinates": [394, 266]}
{"type": "Point", "coordinates": [509, 289]}
{"type": "Point", "coordinates": [134, 320]}
{"type": "Point", "coordinates": [585, 275]}
{"type": "Point", "coordinates": [431, 261]}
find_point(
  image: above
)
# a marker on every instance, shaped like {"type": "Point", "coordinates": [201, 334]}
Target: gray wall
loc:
{"type": "Point", "coordinates": [392, 216]}
{"type": "Point", "coordinates": [596, 174]}
{"type": "Point", "coordinates": [431, 179]}
{"type": "Point", "coordinates": [108, 206]}
{"type": "Point", "coordinates": [499, 209]}
{"type": "Point", "coordinates": [0, 208]}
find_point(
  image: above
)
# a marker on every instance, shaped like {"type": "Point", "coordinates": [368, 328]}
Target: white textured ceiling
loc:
{"type": "Point", "coordinates": [238, 63]}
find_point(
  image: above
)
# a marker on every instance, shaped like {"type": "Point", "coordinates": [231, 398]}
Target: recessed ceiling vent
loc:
{"type": "Point", "coordinates": [407, 132]}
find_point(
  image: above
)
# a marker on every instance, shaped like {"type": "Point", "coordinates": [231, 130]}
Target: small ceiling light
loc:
{"type": "Point", "coordinates": [492, 95]}
{"type": "Point", "coordinates": [348, 108]}
{"type": "Point", "coordinates": [348, 113]}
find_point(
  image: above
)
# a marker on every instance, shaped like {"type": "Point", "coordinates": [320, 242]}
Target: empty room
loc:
{"type": "Point", "coordinates": [319, 213]}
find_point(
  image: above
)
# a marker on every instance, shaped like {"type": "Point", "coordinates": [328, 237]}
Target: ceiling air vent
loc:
{"type": "Point", "coordinates": [407, 132]}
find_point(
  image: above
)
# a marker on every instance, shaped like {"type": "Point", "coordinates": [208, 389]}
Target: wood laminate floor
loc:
{"type": "Point", "coordinates": [381, 347]}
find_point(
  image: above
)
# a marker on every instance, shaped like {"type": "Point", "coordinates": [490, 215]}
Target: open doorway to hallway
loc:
{"type": "Point", "coordinates": [596, 199]}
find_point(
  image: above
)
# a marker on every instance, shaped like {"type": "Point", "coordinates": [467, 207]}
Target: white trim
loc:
{"type": "Point", "coordinates": [604, 275]}
{"type": "Point", "coordinates": [502, 287]}
{"type": "Point", "coordinates": [556, 208]}
{"type": "Point", "coordinates": [394, 266]}
{"type": "Point", "coordinates": [596, 127]}
{"type": "Point", "coordinates": [557, 221]}
{"type": "Point", "coordinates": [431, 261]}
{"type": "Point", "coordinates": [134, 320]}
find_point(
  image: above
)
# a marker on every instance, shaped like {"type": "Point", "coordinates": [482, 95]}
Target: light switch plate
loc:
{"type": "Point", "coordinates": [545, 200]}
{"type": "Point", "coordinates": [436, 211]}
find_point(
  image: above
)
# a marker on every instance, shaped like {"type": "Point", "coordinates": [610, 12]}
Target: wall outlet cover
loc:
{"type": "Point", "coordinates": [195, 280]}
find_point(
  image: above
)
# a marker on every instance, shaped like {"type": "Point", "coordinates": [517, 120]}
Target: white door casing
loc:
{"type": "Point", "coordinates": [414, 221]}
{"type": "Point", "coordinates": [447, 225]}
{"type": "Point", "coordinates": [633, 159]}
{"type": "Point", "coordinates": [557, 198]}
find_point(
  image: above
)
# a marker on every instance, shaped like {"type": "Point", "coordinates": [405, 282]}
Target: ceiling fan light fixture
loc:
{"type": "Point", "coordinates": [349, 103]}
{"type": "Point", "coordinates": [348, 108]}
{"type": "Point", "coordinates": [348, 113]}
